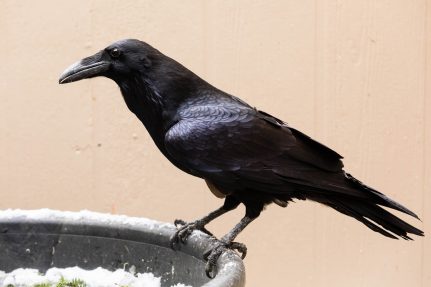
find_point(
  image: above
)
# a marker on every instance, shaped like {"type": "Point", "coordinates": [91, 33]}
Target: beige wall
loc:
{"type": "Point", "coordinates": [355, 75]}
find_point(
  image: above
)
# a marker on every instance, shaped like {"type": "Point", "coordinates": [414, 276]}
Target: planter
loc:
{"type": "Point", "coordinates": [43, 239]}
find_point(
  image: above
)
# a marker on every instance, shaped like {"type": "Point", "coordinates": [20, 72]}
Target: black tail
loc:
{"type": "Point", "coordinates": [381, 198]}
{"type": "Point", "coordinates": [370, 213]}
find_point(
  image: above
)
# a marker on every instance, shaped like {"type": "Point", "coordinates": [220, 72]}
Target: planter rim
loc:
{"type": "Point", "coordinates": [230, 268]}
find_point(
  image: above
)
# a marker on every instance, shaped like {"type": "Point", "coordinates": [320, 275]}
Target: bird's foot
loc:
{"type": "Point", "coordinates": [184, 230]}
{"type": "Point", "coordinates": [212, 255]}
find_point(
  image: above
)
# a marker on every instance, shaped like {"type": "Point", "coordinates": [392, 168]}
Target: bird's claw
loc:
{"type": "Point", "coordinates": [239, 247]}
{"type": "Point", "coordinates": [184, 230]}
{"type": "Point", "coordinates": [179, 222]}
{"type": "Point", "coordinates": [213, 254]}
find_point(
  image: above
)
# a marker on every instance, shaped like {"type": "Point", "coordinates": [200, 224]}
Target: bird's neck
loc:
{"type": "Point", "coordinates": [154, 95]}
{"type": "Point", "coordinates": [145, 104]}
{"type": "Point", "coordinates": [154, 104]}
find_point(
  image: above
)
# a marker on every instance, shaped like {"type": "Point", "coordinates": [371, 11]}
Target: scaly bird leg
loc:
{"type": "Point", "coordinates": [186, 229]}
{"type": "Point", "coordinates": [224, 244]}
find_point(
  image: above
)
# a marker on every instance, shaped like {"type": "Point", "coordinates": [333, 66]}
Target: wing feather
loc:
{"type": "Point", "coordinates": [231, 137]}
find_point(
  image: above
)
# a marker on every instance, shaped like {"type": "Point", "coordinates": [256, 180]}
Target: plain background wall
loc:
{"type": "Point", "coordinates": [355, 75]}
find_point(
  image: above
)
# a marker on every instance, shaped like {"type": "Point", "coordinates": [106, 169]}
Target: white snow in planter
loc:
{"type": "Point", "coordinates": [83, 215]}
{"type": "Point", "coordinates": [98, 277]}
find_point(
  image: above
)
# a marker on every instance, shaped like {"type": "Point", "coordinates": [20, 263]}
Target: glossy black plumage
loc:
{"type": "Point", "coordinates": [244, 154]}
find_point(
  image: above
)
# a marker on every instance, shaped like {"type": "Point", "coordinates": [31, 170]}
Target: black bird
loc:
{"type": "Point", "coordinates": [245, 155]}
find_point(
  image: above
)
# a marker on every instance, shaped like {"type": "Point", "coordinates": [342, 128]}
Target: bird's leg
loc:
{"type": "Point", "coordinates": [252, 211]}
{"type": "Point", "coordinates": [184, 231]}
{"type": "Point", "coordinates": [225, 243]}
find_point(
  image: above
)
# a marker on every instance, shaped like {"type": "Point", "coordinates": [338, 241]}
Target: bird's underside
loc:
{"type": "Point", "coordinates": [246, 156]}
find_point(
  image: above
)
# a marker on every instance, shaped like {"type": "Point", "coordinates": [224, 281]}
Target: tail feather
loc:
{"type": "Point", "coordinates": [367, 209]}
{"type": "Point", "coordinates": [351, 197]}
{"type": "Point", "coordinates": [351, 212]}
{"type": "Point", "coordinates": [366, 212]}
{"type": "Point", "coordinates": [382, 199]}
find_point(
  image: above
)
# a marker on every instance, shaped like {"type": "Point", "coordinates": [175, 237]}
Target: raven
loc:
{"type": "Point", "coordinates": [245, 155]}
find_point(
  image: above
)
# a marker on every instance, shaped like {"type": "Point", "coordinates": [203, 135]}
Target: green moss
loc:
{"type": "Point", "coordinates": [72, 283]}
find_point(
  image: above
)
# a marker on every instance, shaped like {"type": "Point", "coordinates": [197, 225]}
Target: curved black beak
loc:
{"type": "Point", "coordinates": [89, 67]}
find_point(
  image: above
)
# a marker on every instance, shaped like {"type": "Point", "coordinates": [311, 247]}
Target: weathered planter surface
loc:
{"type": "Point", "coordinates": [44, 238]}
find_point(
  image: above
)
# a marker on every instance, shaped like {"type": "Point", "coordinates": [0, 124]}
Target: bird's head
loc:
{"type": "Point", "coordinates": [121, 60]}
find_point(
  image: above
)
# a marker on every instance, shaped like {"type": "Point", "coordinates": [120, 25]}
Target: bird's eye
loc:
{"type": "Point", "coordinates": [115, 53]}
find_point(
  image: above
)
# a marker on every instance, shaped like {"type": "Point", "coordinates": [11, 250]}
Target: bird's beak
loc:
{"type": "Point", "coordinates": [89, 67]}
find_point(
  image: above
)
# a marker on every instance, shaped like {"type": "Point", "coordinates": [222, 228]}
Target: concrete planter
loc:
{"type": "Point", "coordinates": [44, 239]}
